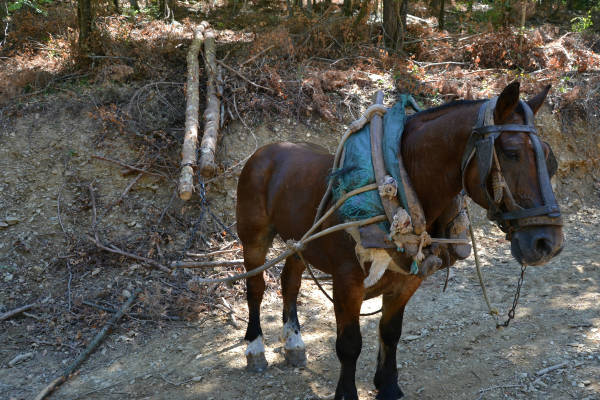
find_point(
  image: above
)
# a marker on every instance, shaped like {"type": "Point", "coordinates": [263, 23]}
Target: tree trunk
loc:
{"type": "Point", "coordinates": [3, 21]}
{"type": "Point", "coordinates": [134, 4]}
{"type": "Point", "coordinates": [84, 19]}
{"type": "Point", "coordinates": [441, 17]}
{"type": "Point", "coordinates": [391, 23]}
{"type": "Point", "coordinates": [166, 9]}
{"type": "Point", "coordinates": [362, 13]}
{"type": "Point", "coordinates": [347, 7]}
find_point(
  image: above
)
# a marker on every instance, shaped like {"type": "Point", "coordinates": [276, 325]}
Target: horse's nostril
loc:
{"type": "Point", "coordinates": [543, 246]}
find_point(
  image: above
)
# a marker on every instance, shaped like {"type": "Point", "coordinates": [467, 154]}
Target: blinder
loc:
{"type": "Point", "coordinates": [480, 146]}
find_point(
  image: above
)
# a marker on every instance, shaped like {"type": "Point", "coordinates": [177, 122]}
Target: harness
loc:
{"type": "Point", "coordinates": [480, 146]}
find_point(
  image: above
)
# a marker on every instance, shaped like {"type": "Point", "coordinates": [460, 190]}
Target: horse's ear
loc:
{"type": "Point", "coordinates": [507, 102]}
{"type": "Point", "coordinates": [536, 102]}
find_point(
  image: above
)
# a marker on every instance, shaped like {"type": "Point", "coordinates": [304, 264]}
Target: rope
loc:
{"type": "Point", "coordinates": [310, 271]}
{"type": "Point", "coordinates": [493, 311]}
{"type": "Point", "coordinates": [294, 247]}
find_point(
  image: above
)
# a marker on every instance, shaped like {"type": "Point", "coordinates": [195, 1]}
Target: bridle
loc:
{"type": "Point", "coordinates": [480, 146]}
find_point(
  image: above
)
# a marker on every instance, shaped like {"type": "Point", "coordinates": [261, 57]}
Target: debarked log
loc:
{"type": "Point", "coordinates": [190, 141]}
{"type": "Point", "coordinates": [212, 112]}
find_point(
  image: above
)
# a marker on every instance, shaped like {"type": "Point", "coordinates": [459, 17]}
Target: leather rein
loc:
{"type": "Point", "coordinates": [480, 146]}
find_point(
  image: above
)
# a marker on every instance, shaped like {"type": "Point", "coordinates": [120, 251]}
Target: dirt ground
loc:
{"type": "Point", "coordinates": [450, 347]}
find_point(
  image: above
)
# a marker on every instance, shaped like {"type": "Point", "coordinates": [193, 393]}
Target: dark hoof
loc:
{"type": "Point", "coordinates": [390, 393]}
{"type": "Point", "coordinates": [256, 362]}
{"type": "Point", "coordinates": [295, 357]}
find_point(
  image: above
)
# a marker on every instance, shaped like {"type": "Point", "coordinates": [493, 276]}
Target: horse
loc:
{"type": "Point", "coordinates": [282, 184]}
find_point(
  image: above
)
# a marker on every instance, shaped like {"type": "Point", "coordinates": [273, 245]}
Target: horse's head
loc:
{"type": "Point", "coordinates": [507, 170]}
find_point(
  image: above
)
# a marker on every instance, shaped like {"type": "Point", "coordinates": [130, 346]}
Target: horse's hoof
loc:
{"type": "Point", "coordinates": [256, 362]}
{"type": "Point", "coordinates": [295, 357]}
{"type": "Point", "coordinates": [392, 392]}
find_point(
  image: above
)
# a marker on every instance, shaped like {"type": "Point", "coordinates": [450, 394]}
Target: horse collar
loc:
{"type": "Point", "coordinates": [480, 146]}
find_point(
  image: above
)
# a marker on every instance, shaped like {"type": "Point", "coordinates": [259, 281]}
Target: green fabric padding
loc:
{"type": "Point", "coordinates": [357, 170]}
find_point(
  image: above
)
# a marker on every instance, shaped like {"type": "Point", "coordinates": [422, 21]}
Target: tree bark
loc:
{"type": "Point", "coordinates": [391, 23]}
{"type": "Point", "coordinates": [84, 19]}
{"type": "Point", "coordinates": [190, 141]}
{"type": "Point", "coordinates": [134, 4]}
{"type": "Point", "coordinates": [166, 9]}
{"type": "Point", "coordinates": [441, 17]}
{"type": "Point", "coordinates": [3, 21]}
{"type": "Point", "coordinates": [212, 112]}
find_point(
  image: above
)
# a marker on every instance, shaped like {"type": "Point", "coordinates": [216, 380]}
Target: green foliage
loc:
{"type": "Point", "coordinates": [581, 24]}
{"type": "Point", "coordinates": [36, 5]}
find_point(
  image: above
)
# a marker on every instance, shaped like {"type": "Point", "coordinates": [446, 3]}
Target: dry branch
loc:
{"type": "Point", "coordinates": [190, 140]}
{"type": "Point", "coordinates": [116, 250]}
{"type": "Point", "coordinates": [212, 112]}
{"type": "Point", "coordinates": [206, 264]}
{"type": "Point", "coordinates": [131, 167]}
{"type": "Point", "coordinates": [90, 349]}
{"type": "Point", "coordinates": [16, 311]}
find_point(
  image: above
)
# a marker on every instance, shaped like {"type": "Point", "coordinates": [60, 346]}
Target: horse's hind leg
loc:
{"type": "Point", "coordinates": [255, 251]}
{"type": "Point", "coordinates": [291, 277]}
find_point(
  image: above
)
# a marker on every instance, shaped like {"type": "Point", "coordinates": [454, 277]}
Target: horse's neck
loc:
{"type": "Point", "coordinates": [432, 152]}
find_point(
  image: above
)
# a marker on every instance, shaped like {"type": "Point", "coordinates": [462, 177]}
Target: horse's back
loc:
{"type": "Point", "coordinates": [281, 186]}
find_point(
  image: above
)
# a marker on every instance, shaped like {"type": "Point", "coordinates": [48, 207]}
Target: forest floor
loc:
{"type": "Point", "coordinates": [107, 141]}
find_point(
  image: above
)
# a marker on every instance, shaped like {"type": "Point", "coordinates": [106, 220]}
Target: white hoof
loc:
{"type": "Point", "coordinates": [255, 355]}
{"type": "Point", "coordinates": [295, 350]}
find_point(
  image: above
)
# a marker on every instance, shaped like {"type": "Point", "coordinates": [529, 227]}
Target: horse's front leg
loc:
{"type": "Point", "coordinates": [291, 278]}
{"type": "Point", "coordinates": [348, 294]}
{"type": "Point", "coordinates": [390, 329]}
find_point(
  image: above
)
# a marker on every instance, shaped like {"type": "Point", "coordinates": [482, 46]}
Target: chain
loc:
{"type": "Point", "coordinates": [511, 312]}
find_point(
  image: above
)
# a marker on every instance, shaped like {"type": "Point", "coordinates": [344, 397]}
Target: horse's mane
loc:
{"type": "Point", "coordinates": [435, 112]}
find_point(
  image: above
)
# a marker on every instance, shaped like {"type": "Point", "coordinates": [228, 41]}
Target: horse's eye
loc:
{"type": "Point", "coordinates": [511, 154]}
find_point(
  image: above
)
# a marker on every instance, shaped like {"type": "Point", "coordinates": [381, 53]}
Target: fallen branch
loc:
{"type": "Point", "coordinates": [254, 57]}
{"type": "Point", "coordinates": [552, 368]}
{"type": "Point", "coordinates": [127, 189]}
{"type": "Point", "coordinates": [206, 264]}
{"type": "Point", "coordinates": [116, 250]}
{"type": "Point", "coordinates": [190, 140]}
{"type": "Point", "coordinates": [90, 349]}
{"type": "Point", "coordinates": [113, 249]}
{"type": "Point", "coordinates": [212, 253]}
{"type": "Point", "coordinates": [227, 67]}
{"type": "Point", "coordinates": [16, 311]}
{"type": "Point", "coordinates": [131, 167]}
{"type": "Point", "coordinates": [212, 112]}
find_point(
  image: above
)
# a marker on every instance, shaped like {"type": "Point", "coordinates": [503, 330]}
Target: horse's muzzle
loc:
{"type": "Point", "coordinates": [537, 245]}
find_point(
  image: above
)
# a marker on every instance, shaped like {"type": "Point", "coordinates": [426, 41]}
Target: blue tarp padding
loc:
{"type": "Point", "coordinates": [357, 170]}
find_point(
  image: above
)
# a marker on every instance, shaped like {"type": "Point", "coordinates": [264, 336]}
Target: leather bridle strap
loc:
{"type": "Point", "coordinates": [480, 146]}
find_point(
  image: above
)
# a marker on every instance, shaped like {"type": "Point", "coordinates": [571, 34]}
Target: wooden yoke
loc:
{"type": "Point", "coordinates": [390, 203]}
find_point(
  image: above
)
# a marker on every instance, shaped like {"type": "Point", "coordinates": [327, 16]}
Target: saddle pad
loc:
{"type": "Point", "coordinates": [357, 168]}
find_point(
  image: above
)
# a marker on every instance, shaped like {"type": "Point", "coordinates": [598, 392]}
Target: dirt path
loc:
{"type": "Point", "coordinates": [450, 347]}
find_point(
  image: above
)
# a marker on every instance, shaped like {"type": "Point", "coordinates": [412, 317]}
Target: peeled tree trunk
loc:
{"type": "Point", "coordinates": [190, 141]}
{"type": "Point", "coordinates": [212, 112]}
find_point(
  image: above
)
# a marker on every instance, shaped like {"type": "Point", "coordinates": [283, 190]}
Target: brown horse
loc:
{"type": "Point", "coordinates": [282, 184]}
